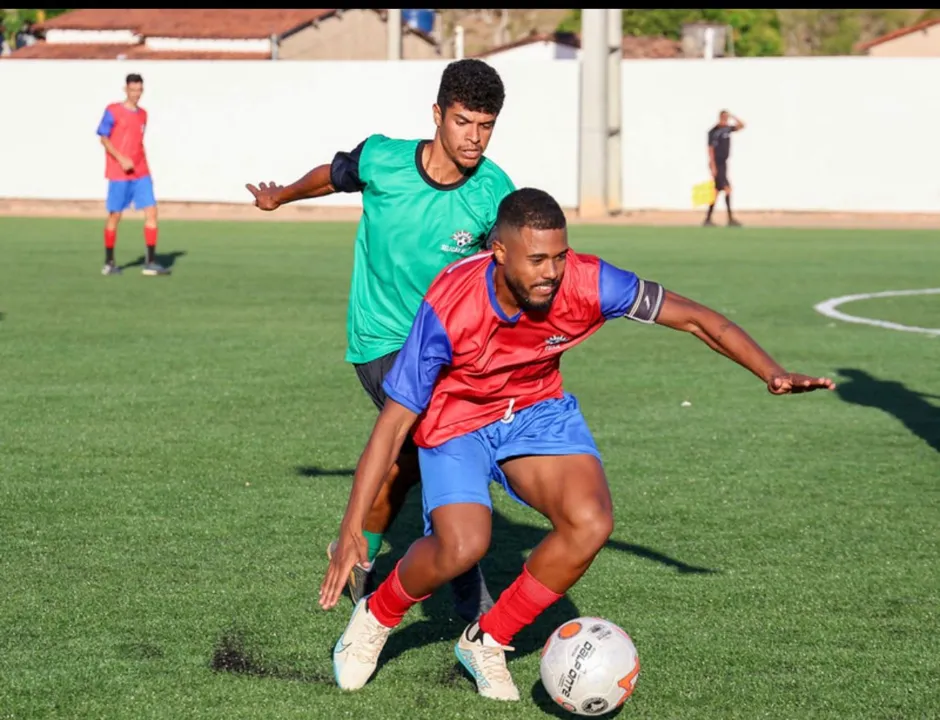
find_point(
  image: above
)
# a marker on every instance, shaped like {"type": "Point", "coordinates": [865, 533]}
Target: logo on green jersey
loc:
{"type": "Point", "coordinates": [462, 237]}
{"type": "Point", "coordinates": [460, 240]}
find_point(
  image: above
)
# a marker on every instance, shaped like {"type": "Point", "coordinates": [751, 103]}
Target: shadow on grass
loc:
{"type": "Point", "coordinates": [541, 698]}
{"type": "Point", "coordinates": [167, 260]}
{"type": "Point", "coordinates": [910, 407]}
{"type": "Point", "coordinates": [315, 471]}
{"type": "Point", "coordinates": [511, 543]}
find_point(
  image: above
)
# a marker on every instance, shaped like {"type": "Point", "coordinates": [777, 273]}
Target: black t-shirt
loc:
{"type": "Point", "coordinates": [719, 137]}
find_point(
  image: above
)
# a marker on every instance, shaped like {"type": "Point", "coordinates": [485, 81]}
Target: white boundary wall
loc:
{"type": "Point", "coordinates": [851, 134]}
{"type": "Point", "coordinates": [836, 134]}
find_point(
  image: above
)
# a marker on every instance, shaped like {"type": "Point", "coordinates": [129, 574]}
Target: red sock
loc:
{"type": "Point", "coordinates": [150, 236]}
{"type": "Point", "coordinates": [390, 602]}
{"type": "Point", "coordinates": [517, 607]}
{"type": "Point", "coordinates": [110, 238]}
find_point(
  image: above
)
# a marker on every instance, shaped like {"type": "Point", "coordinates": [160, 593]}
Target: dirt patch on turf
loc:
{"type": "Point", "coordinates": [307, 213]}
{"type": "Point", "coordinates": [233, 655]}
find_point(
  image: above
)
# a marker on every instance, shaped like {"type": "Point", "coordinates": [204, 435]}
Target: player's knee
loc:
{"type": "Point", "coordinates": [461, 547]}
{"type": "Point", "coordinates": [598, 527]}
{"type": "Point", "coordinates": [589, 523]}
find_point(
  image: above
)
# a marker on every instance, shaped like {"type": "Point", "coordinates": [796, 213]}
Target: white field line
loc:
{"type": "Point", "coordinates": [828, 308]}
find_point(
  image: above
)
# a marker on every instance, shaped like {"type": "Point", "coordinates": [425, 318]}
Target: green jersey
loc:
{"type": "Point", "coordinates": [411, 228]}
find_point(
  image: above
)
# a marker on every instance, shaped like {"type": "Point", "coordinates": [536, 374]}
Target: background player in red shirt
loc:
{"type": "Point", "coordinates": [122, 134]}
{"type": "Point", "coordinates": [479, 380]}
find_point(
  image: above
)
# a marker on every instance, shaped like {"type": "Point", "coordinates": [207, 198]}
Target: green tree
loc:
{"type": "Point", "coordinates": [13, 20]}
{"type": "Point", "coordinates": [755, 32]}
{"type": "Point", "coordinates": [837, 32]}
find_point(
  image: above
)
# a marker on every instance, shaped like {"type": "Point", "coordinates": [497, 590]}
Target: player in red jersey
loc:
{"type": "Point", "coordinates": [478, 380]}
{"type": "Point", "coordinates": [121, 131]}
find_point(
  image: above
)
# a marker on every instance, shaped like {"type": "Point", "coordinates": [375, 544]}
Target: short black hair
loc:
{"type": "Point", "coordinates": [133, 78]}
{"type": "Point", "coordinates": [473, 84]}
{"type": "Point", "coordinates": [530, 208]}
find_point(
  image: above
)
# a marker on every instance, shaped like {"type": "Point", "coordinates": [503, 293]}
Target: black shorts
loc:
{"type": "Point", "coordinates": [721, 177]}
{"type": "Point", "coordinates": [371, 375]}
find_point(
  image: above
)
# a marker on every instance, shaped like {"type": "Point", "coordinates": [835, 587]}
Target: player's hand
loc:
{"type": "Point", "coordinates": [714, 170]}
{"type": "Point", "coordinates": [266, 195]}
{"type": "Point", "coordinates": [793, 383]}
{"type": "Point", "coordinates": [351, 548]}
{"type": "Point", "coordinates": [126, 165]}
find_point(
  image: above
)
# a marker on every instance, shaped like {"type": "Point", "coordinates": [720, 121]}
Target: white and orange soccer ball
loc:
{"type": "Point", "coordinates": [589, 666]}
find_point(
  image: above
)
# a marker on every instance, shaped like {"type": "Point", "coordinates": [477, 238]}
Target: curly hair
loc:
{"type": "Point", "coordinates": [530, 208]}
{"type": "Point", "coordinates": [473, 84]}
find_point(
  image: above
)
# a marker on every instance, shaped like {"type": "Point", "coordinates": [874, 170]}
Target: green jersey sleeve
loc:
{"type": "Point", "coordinates": [351, 171]}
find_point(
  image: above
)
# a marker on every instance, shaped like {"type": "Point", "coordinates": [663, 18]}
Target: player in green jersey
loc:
{"type": "Point", "coordinates": [425, 204]}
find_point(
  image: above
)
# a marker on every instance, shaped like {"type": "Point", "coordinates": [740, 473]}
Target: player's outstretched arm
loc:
{"type": "Point", "coordinates": [341, 175]}
{"type": "Point", "coordinates": [388, 435]}
{"type": "Point", "coordinates": [316, 183]}
{"type": "Point", "coordinates": [725, 337]}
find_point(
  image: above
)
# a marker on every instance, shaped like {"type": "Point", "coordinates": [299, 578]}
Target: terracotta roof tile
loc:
{"type": "Point", "coordinates": [228, 24]}
{"type": "Point", "coordinates": [901, 32]}
{"type": "Point", "coordinates": [651, 47]}
{"type": "Point", "coordinates": [112, 51]}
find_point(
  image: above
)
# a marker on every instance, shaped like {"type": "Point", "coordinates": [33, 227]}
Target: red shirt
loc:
{"type": "Point", "coordinates": [466, 364]}
{"type": "Point", "coordinates": [125, 128]}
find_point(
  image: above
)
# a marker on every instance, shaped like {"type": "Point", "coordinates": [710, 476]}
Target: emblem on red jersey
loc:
{"type": "Point", "coordinates": [556, 340]}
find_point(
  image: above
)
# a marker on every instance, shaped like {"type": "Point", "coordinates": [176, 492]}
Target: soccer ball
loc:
{"type": "Point", "coordinates": [589, 666]}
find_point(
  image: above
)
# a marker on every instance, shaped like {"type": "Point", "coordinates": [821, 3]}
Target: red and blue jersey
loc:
{"type": "Point", "coordinates": [125, 128]}
{"type": "Point", "coordinates": [467, 364]}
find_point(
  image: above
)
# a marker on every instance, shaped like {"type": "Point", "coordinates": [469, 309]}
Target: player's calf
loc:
{"type": "Point", "coordinates": [459, 538]}
{"type": "Point", "coordinates": [110, 240]}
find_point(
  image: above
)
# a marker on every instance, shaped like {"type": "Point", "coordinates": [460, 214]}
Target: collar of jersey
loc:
{"type": "Point", "coordinates": [491, 291]}
{"type": "Point", "coordinates": [419, 166]}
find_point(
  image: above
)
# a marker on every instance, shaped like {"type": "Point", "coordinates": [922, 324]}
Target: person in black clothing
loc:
{"type": "Point", "coordinates": [719, 148]}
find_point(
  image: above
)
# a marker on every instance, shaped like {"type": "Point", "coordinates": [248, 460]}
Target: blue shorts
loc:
{"type": "Point", "coordinates": [121, 193]}
{"type": "Point", "coordinates": [460, 470]}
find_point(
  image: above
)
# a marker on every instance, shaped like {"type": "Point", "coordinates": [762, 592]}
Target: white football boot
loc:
{"type": "Point", "coordinates": [485, 660]}
{"type": "Point", "coordinates": [356, 653]}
